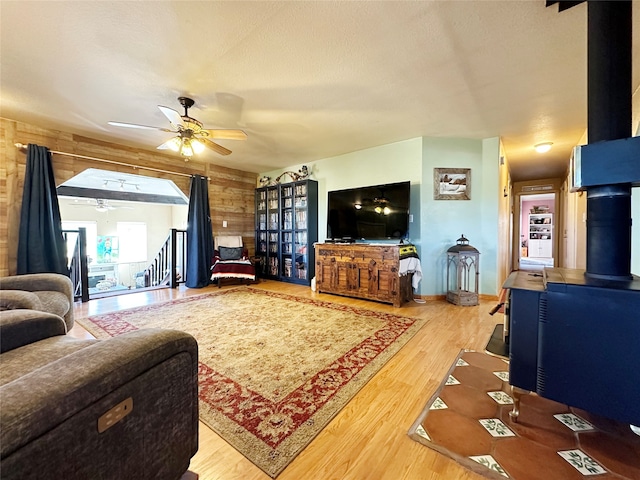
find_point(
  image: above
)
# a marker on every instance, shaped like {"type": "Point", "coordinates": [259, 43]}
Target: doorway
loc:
{"type": "Point", "coordinates": [537, 227]}
{"type": "Point", "coordinates": [127, 219]}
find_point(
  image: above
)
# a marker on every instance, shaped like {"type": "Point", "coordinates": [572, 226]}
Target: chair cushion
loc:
{"type": "Point", "coordinates": [19, 299]}
{"type": "Point", "coordinates": [230, 253]}
{"type": "Point", "coordinates": [20, 327]}
{"type": "Point", "coordinates": [24, 360]}
{"type": "Point", "coordinates": [54, 302]}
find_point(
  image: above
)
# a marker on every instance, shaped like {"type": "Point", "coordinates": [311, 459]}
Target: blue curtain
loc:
{"type": "Point", "coordinates": [199, 234]}
{"type": "Point", "coordinates": [41, 245]}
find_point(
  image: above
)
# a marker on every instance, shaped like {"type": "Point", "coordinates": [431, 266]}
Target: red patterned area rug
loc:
{"type": "Point", "coordinates": [274, 368]}
{"type": "Point", "coordinates": [467, 419]}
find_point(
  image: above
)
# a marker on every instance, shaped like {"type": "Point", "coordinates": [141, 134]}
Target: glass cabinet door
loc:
{"type": "Point", "coordinates": [273, 225]}
{"type": "Point", "coordinates": [286, 238]}
{"type": "Point", "coordinates": [300, 227]}
{"type": "Point", "coordinates": [261, 230]}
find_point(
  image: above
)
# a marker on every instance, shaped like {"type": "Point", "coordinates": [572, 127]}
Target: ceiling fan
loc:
{"type": "Point", "coordinates": [103, 205]}
{"type": "Point", "coordinates": [100, 204]}
{"type": "Point", "coordinates": [191, 137]}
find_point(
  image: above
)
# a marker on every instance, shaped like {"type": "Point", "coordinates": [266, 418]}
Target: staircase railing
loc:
{"type": "Point", "coordinates": [168, 267]}
{"type": "Point", "coordinates": [78, 268]}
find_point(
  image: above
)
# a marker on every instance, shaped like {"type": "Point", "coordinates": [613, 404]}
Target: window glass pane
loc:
{"type": "Point", "coordinates": [132, 237]}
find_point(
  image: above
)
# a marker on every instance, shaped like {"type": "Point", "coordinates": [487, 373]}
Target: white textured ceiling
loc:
{"type": "Point", "coordinates": [305, 80]}
{"type": "Point", "coordinates": [96, 183]}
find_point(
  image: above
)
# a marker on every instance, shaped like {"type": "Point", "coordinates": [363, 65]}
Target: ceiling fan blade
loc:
{"type": "Point", "coordinates": [227, 134]}
{"type": "Point", "coordinates": [143, 127]}
{"type": "Point", "coordinates": [215, 147]}
{"type": "Point", "coordinates": [173, 116]}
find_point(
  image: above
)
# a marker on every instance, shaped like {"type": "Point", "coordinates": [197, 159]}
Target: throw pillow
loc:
{"type": "Point", "coordinates": [230, 253]}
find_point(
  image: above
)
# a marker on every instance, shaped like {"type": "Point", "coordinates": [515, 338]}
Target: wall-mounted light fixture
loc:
{"type": "Point", "coordinates": [543, 147]}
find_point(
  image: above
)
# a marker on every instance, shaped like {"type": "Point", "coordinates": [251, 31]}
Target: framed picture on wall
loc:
{"type": "Point", "coordinates": [108, 249]}
{"type": "Point", "coordinates": [452, 184]}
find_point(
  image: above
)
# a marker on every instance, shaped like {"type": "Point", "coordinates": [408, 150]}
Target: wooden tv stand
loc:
{"type": "Point", "coordinates": [370, 272]}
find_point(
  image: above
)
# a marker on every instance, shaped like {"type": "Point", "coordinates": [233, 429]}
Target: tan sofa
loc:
{"type": "Point", "coordinates": [46, 292]}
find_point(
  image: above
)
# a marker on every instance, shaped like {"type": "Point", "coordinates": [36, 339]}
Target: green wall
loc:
{"type": "Point", "coordinates": [436, 223]}
{"type": "Point", "coordinates": [395, 162]}
{"type": "Point", "coordinates": [443, 221]}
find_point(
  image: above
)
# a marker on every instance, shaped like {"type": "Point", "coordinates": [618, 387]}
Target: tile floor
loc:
{"type": "Point", "coordinates": [468, 420]}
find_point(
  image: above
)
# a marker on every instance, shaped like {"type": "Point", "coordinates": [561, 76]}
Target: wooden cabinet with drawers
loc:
{"type": "Point", "coordinates": [363, 271]}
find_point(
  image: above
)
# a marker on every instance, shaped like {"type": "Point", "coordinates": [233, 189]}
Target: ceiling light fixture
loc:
{"type": "Point", "coordinates": [186, 150]}
{"type": "Point", "coordinates": [174, 144]}
{"type": "Point", "coordinates": [543, 147]}
{"type": "Point", "coordinates": [197, 145]}
{"type": "Point", "coordinates": [186, 144]}
{"type": "Point", "coordinates": [122, 184]}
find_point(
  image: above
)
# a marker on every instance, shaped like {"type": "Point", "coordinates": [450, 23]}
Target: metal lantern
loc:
{"type": "Point", "coordinates": [463, 263]}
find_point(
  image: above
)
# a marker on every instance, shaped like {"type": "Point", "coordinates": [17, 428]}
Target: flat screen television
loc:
{"type": "Point", "coordinates": [369, 213]}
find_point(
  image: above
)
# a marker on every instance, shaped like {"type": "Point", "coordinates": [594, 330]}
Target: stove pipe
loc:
{"type": "Point", "coordinates": [609, 118]}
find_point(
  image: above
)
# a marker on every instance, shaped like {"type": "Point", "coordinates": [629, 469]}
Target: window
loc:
{"type": "Point", "coordinates": [132, 237]}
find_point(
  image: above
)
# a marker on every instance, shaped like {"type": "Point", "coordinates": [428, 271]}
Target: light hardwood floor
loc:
{"type": "Point", "coordinates": [368, 438]}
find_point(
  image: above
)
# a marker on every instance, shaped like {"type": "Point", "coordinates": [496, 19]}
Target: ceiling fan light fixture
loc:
{"type": "Point", "coordinates": [543, 147]}
{"type": "Point", "coordinates": [172, 144]}
{"type": "Point", "coordinates": [358, 206]}
{"type": "Point", "coordinates": [386, 210]}
{"type": "Point", "coordinates": [197, 145]}
{"type": "Point", "coordinates": [187, 149]}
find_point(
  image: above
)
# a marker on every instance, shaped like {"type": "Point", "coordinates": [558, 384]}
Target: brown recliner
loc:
{"type": "Point", "coordinates": [124, 407]}
{"type": "Point", "coordinates": [45, 292]}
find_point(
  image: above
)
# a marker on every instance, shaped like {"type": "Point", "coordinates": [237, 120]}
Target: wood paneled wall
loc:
{"type": "Point", "coordinates": [231, 191]}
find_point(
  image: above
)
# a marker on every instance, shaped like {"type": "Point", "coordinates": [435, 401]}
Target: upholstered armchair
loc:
{"type": "Point", "coordinates": [231, 260]}
{"type": "Point", "coordinates": [45, 292]}
{"type": "Point", "coordinates": [125, 407]}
